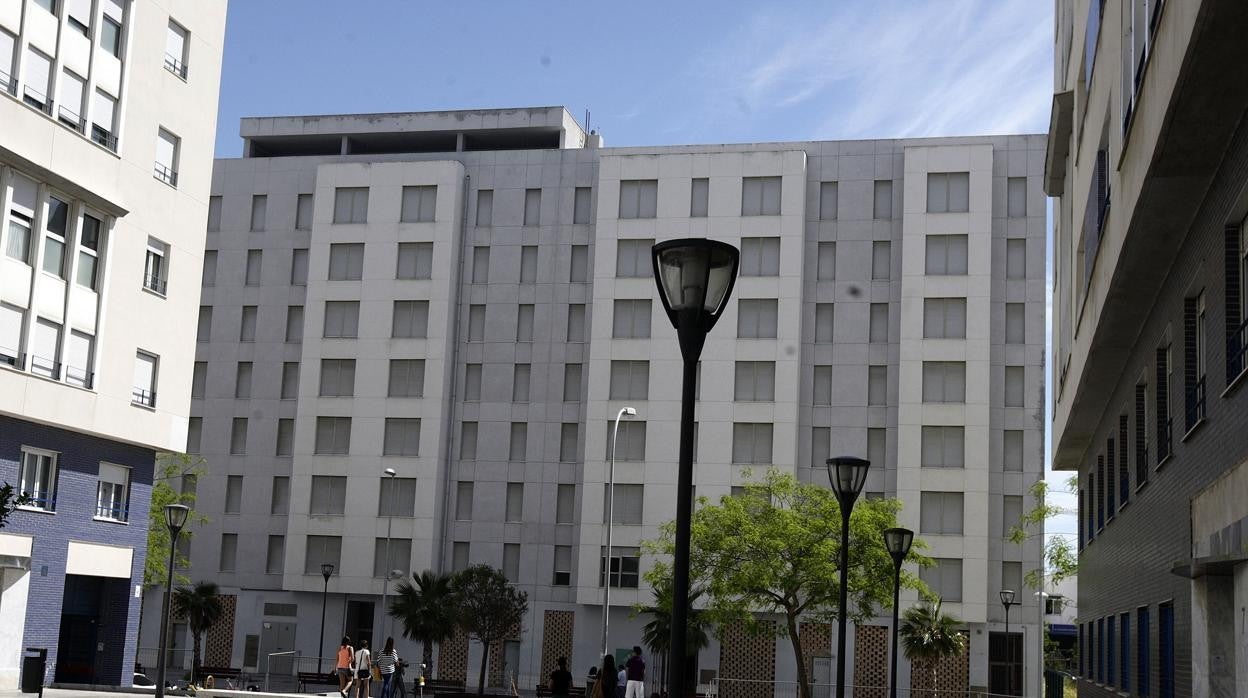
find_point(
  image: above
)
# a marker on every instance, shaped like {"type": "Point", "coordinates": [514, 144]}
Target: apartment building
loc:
{"type": "Point", "coordinates": [1146, 153]}
{"type": "Point", "coordinates": [107, 115]}
{"type": "Point", "coordinates": [467, 298]}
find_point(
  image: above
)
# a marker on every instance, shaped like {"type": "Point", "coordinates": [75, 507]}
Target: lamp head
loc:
{"type": "Point", "coordinates": [848, 475]}
{"type": "Point", "coordinates": [1007, 597]}
{"type": "Point", "coordinates": [176, 516]}
{"type": "Point", "coordinates": [695, 277]}
{"type": "Point", "coordinates": [630, 411]}
{"type": "Point", "coordinates": [898, 542]}
{"type": "Point", "coordinates": [389, 472]}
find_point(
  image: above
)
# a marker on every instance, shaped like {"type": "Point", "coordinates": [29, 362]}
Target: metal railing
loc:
{"type": "Point", "coordinates": [1236, 351]}
{"type": "Point", "coordinates": [165, 174]}
{"type": "Point", "coordinates": [12, 358]}
{"type": "Point", "coordinates": [153, 282]}
{"type": "Point", "coordinates": [119, 513]}
{"type": "Point", "coordinates": [281, 674]}
{"type": "Point", "coordinates": [41, 499]}
{"type": "Point", "coordinates": [46, 367]}
{"type": "Point", "coordinates": [37, 99]}
{"type": "Point", "coordinates": [103, 137]}
{"type": "Point", "coordinates": [175, 66]}
{"type": "Point", "coordinates": [1196, 403]}
{"type": "Point", "coordinates": [177, 662]}
{"type": "Point", "coordinates": [80, 377]}
{"type": "Point", "coordinates": [71, 119]}
{"type": "Point", "coordinates": [146, 398]}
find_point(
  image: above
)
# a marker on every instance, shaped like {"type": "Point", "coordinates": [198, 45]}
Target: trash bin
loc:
{"type": "Point", "coordinates": [34, 662]}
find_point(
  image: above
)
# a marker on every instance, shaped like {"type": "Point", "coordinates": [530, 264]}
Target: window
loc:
{"type": "Point", "coordinates": [630, 380]}
{"type": "Point", "coordinates": [480, 264]}
{"type": "Point", "coordinates": [1016, 259]}
{"type": "Point", "coordinates": [342, 319]}
{"type": "Point", "coordinates": [576, 322]}
{"type": "Point", "coordinates": [242, 380]}
{"type": "Point", "coordinates": [402, 437]}
{"type": "Point", "coordinates": [518, 446]}
{"type": "Point", "coordinates": [45, 349]}
{"type": "Point", "coordinates": [820, 445]}
{"type": "Point", "coordinates": [948, 192]}
{"type": "Point", "coordinates": [1124, 630]}
{"type": "Point", "coordinates": [631, 319]}
{"type": "Point", "coordinates": [415, 260]}
{"type": "Point", "coordinates": [275, 555]}
{"type": "Point", "coordinates": [944, 318]}
{"type": "Point", "coordinates": [877, 385]}
{"type": "Point", "coordinates": [411, 319]}
{"type": "Point", "coordinates": [883, 205]}
{"type": "Point", "coordinates": [194, 432]}
{"type": "Point", "coordinates": [214, 214]}
{"type": "Point", "coordinates": [878, 329]}
{"type": "Point", "coordinates": [563, 566]}
{"type": "Point", "coordinates": [69, 98]}
{"type": "Point", "coordinates": [1016, 196]}
{"type": "Point", "coordinates": [407, 378]}
{"type": "Point", "coordinates": [625, 570]}
{"type": "Point", "coordinates": [419, 204]}
{"type": "Point", "coordinates": [520, 377]}
{"type": "Point", "coordinates": [514, 508]}
{"type": "Point", "coordinates": [532, 206]}
{"type": "Point", "coordinates": [321, 550]}
{"type": "Point", "coordinates": [944, 578]}
{"type": "Point", "coordinates": [1162, 399]}
{"type": "Point", "coordinates": [877, 451]}
{"type": "Point", "coordinates": [1015, 332]}
{"type": "Point", "coordinates": [111, 501]}
{"type": "Point", "coordinates": [247, 324]}
{"type": "Point", "coordinates": [1011, 516]}
{"type": "Point", "coordinates": [751, 443]}
{"type": "Point", "coordinates": [760, 256]}
{"type": "Point", "coordinates": [1235, 298]}
{"type": "Point", "coordinates": [346, 261]}
{"type": "Point", "coordinates": [528, 264]}
{"type": "Point", "coordinates": [630, 443]}
{"type": "Point", "coordinates": [1194, 359]}
{"type": "Point", "coordinates": [18, 245]}
{"type": "Point", "coordinates": [485, 207]}
{"type": "Point", "coordinates": [578, 270]}
{"type": "Point", "coordinates": [285, 438]}
{"type": "Point", "coordinates": [1014, 386]}
{"type": "Point", "coordinates": [757, 318]}
{"type": "Point", "coordinates": [78, 359]}
{"type": "Point", "coordinates": [167, 145]}
{"type": "Point", "coordinates": [565, 503]}
{"type": "Point", "coordinates": [199, 380]}
{"type": "Point", "coordinates": [572, 382]}
{"type": "Point", "coordinates": [1165, 648]}
{"type": "Point", "coordinates": [881, 261]}
{"type": "Point", "coordinates": [299, 267]}
{"type": "Point", "coordinates": [581, 206]}
{"type": "Point", "coordinates": [351, 205]}
{"type": "Point", "coordinates": [760, 196]}
{"type": "Point", "coordinates": [828, 194]}
{"type": "Point", "coordinates": [638, 198]}
{"type": "Point", "coordinates": [233, 494]}
{"type": "Point", "coordinates": [755, 381]}
{"type": "Point", "coordinates": [472, 382]}
{"type": "Point", "coordinates": [699, 197]}
{"type": "Point", "coordinates": [459, 556]}
{"type": "Point", "coordinates": [942, 447]}
{"type": "Point", "coordinates": [38, 80]}
{"type": "Point", "coordinates": [468, 441]}
{"type": "Point", "coordinates": [37, 478]}
{"type": "Point", "coordinates": [294, 324]}
{"type": "Point", "coordinates": [329, 495]}
{"type": "Point", "coordinates": [632, 259]}
{"type": "Point", "coordinates": [238, 436]}
{"type": "Point", "coordinates": [463, 500]}
{"type": "Point", "coordinates": [103, 114]}
{"type": "Point", "coordinates": [1012, 450]}
{"type": "Point", "coordinates": [333, 436]}
{"type": "Point", "coordinates": [209, 276]}
{"type": "Point", "coordinates": [946, 255]}
{"type": "Point", "coordinates": [1108, 643]}
{"type": "Point", "coordinates": [303, 211]}
{"type": "Point", "coordinates": [1141, 434]}
{"type": "Point", "coordinates": [54, 239]}
{"type": "Point", "coordinates": [524, 322]}
{"type": "Point", "coordinates": [823, 385]}
{"type": "Point", "coordinates": [1143, 653]}
{"type": "Point", "coordinates": [941, 513]}
{"type": "Point", "coordinates": [1124, 474]}
{"type": "Point", "coordinates": [145, 374]}
{"type": "Point", "coordinates": [825, 264]}
{"type": "Point", "coordinates": [569, 436]}
{"type": "Point", "coordinates": [110, 31]}
{"type": "Point", "coordinates": [337, 378]}
{"type": "Point", "coordinates": [1012, 576]}
{"type": "Point", "coordinates": [259, 212]}
{"type": "Point", "coordinates": [476, 323]}
{"type": "Point", "coordinates": [825, 317]}
{"type": "Point", "coordinates": [254, 260]}
{"type": "Point", "coordinates": [396, 496]}
{"type": "Point", "coordinates": [627, 509]}
{"type": "Point", "coordinates": [229, 552]}
{"type": "Point", "coordinates": [511, 561]}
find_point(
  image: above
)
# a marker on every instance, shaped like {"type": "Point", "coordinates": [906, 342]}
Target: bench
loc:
{"type": "Point", "coordinates": [217, 672]}
{"type": "Point", "coordinates": [438, 686]}
{"type": "Point", "coordinates": [315, 678]}
{"type": "Point", "coordinates": [543, 691]}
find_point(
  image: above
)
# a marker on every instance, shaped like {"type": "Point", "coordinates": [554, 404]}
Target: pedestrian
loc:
{"type": "Point", "coordinates": [346, 658]}
{"type": "Point", "coordinates": [560, 684]}
{"type": "Point", "coordinates": [636, 667]}
{"type": "Point", "coordinates": [363, 670]}
{"type": "Point", "coordinates": [604, 687]}
{"type": "Point", "coordinates": [621, 680]}
{"type": "Point", "coordinates": [387, 661]}
{"type": "Point", "coordinates": [591, 679]}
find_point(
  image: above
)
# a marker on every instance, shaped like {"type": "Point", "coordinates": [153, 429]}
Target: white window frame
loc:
{"type": "Point", "coordinates": [42, 486]}
{"type": "Point", "coordinates": [350, 205]}
{"type": "Point", "coordinates": [140, 395]}
{"type": "Point", "coordinates": [156, 266]}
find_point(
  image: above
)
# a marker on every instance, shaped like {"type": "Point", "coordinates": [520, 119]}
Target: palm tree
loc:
{"type": "Point", "coordinates": [929, 636]}
{"type": "Point", "coordinates": [425, 610]}
{"type": "Point", "coordinates": [657, 633]}
{"type": "Point", "coordinates": [201, 607]}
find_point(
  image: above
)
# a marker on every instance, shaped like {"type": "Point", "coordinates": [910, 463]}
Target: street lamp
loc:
{"type": "Point", "coordinates": [695, 277]}
{"type": "Point", "coordinates": [1007, 600]}
{"type": "Point", "coordinates": [327, 571]}
{"type": "Point", "coordinates": [606, 597]}
{"type": "Point", "coordinates": [848, 475]}
{"type": "Point", "coordinates": [385, 584]}
{"type": "Point", "coordinates": [175, 518]}
{"type": "Point", "coordinates": [898, 541]}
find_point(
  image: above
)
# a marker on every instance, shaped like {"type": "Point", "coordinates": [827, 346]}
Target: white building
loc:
{"type": "Point", "coordinates": [107, 115]}
{"type": "Point", "coordinates": [467, 297]}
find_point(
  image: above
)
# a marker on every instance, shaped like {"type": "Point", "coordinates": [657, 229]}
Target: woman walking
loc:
{"type": "Point", "coordinates": [363, 670]}
{"type": "Point", "coordinates": [346, 656]}
{"type": "Point", "coordinates": [604, 687]}
{"type": "Point", "coordinates": [387, 661]}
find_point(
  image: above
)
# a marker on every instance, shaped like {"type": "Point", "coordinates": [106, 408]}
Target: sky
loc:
{"type": "Point", "coordinates": [650, 73]}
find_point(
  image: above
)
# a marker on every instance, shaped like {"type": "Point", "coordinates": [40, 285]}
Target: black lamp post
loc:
{"type": "Point", "coordinates": [327, 571]}
{"type": "Point", "coordinates": [848, 475]}
{"type": "Point", "coordinates": [175, 518]}
{"type": "Point", "coordinates": [898, 541]}
{"type": "Point", "coordinates": [1007, 600]}
{"type": "Point", "coordinates": [695, 277]}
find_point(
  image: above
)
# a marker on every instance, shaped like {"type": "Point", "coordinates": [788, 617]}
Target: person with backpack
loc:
{"type": "Point", "coordinates": [363, 669]}
{"type": "Point", "coordinates": [346, 657]}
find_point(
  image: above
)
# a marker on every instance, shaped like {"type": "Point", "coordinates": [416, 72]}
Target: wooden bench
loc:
{"type": "Point", "coordinates": [315, 678]}
{"type": "Point", "coordinates": [543, 691]}
{"type": "Point", "coordinates": [439, 686]}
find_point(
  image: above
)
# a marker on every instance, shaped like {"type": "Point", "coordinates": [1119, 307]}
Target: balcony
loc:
{"type": "Point", "coordinates": [143, 398]}
{"type": "Point", "coordinates": [71, 120]}
{"type": "Point", "coordinates": [36, 99]}
{"type": "Point", "coordinates": [104, 137]}
{"type": "Point", "coordinates": [166, 174]}
{"type": "Point", "coordinates": [175, 66]}
{"type": "Point", "coordinates": [154, 283]}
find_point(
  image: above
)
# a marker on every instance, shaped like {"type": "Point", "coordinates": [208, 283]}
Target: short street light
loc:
{"type": "Point", "coordinates": [606, 594]}
{"type": "Point", "coordinates": [175, 519]}
{"type": "Point", "coordinates": [327, 571]}
{"type": "Point", "coordinates": [898, 542]}
{"type": "Point", "coordinates": [695, 277]}
{"type": "Point", "coordinates": [1007, 600]}
{"type": "Point", "coordinates": [385, 584]}
{"type": "Point", "coordinates": [848, 475]}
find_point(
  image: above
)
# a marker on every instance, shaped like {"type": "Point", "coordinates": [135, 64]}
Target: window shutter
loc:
{"type": "Point", "coordinates": [1234, 304]}
{"type": "Point", "coordinates": [1163, 406]}
{"type": "Point", "coordinates": [1190, 374]}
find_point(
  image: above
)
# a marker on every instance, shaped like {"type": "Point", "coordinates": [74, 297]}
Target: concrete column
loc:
{"type": "Point", "coordinates": [1240, 621]}
{"type": "Point", "coordinates": [14, 588]}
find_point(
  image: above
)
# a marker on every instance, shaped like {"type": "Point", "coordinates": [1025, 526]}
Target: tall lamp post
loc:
{"type": "Point", "coordinates": [898, 541]}
{"type": "Point", "coordinates": [175, 518]}
{"type": "Point", "coordinates": [327, 571]}
{"type": "Point", "coordinates": [606, 596]}
{"type": "Point", "coordinates": [1007, 600]}
{"type": "Point", "coordinates": [385, 584]}
{"type": "Point", "coordinates": [695, 277]}
{"type": "Point", "coordinates": [848, 475]}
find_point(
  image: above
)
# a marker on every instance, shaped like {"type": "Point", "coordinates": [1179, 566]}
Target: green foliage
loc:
{"type": "Point", "coordinates": [928, 636]}
{"type": "Point", "coordinates": [487, 608]}
{"type": "Point", "coordinates": [424, 610]}
{"type": "Point", "coordinates": [167, 488]}
{"type": "Point", "coordinates": [10, 500]}
{"type": "Point", "coordinates": [1059, 559]}
{"type": "Point", "coordinates": [656, 634]}
{"type": "Point", "coordinates": [201, 607]}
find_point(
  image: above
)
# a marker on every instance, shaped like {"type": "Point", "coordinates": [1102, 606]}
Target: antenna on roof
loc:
{"type": "Point", "coordinates": [587, 119]}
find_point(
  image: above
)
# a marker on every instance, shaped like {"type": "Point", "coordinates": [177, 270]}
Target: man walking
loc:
{"type": "Point", "coordinates": [636, 667]}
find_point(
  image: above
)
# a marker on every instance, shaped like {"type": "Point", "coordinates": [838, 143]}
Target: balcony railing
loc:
{"type": "Point", "coordinates": [1195, 403]}
{"type": "Point", "coordinates": [1164, 439]}
{"type": "Point", "coordinates": [8, 83]}
{"type": "Point", "coordinates": [80, 377]}
{"type": "Point", "coordinates": [175, 66]}
{"type": "Point", "coordinates": [1237, 352]}
{"type": "Point", "coordinates": [118, 513]}
{"type": "Point", "coordinates": [37, 99]}
{"type": "Point", "coordinates": [166, 174]}
{"type": "Point", "coordinates": [12, 358]}
{"type": "Point", "coordinates": [153, 282]}
{"type": "Point", "coordinates": [46, 367]}
{"type": "Point", "coordinates": [145, 398]}
{"type": "Point", "coordinates": [71, 119]}
{"type": "Point", "coordinates": [41, 499]}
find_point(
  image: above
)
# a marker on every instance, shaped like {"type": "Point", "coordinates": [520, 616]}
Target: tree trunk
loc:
{"type": "Point", "coordinates": [933, 687]}
{"type": "Point", "coordinates": [485, 655]}
{"type": "Point", "coordinates": [426, 658]}
{"type": "Point", "coordinates": [803, 679]}
{"type": "Point", "coordinates": [195, 657]}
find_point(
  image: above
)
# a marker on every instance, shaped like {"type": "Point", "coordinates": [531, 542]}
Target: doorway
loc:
{"type": "Point", "coordinates": [1005, 663]}
{"type": "Point", "coordinates": [359, 622]}
{"type": "Point", "coordinates": [277, 637]}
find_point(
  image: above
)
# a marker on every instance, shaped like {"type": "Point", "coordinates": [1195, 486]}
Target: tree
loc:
{"type": "Point", "coordinates": [425, 611]}
{"type": "Point", "coordinates": [10, 500]}
{"type": "Point", "coordinates": [1059, 560]}
{"type": "Point", "coordinates": [487, 608]}
{"type": "Point", "coordinates": [775, 549]}
{"type": "Point", "coordinates": [171, 469]}
{"type": "Point", "coordinates": [929, 636]}
{"type": "Point", "coordinates": [656, 634]}
{"type": "Point", "coordinates": [201, 607]}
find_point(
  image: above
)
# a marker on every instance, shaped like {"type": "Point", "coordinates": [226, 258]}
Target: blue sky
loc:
{"type": "Point", "coordinates": [656, 73]}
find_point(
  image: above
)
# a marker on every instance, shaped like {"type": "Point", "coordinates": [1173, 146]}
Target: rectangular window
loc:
{"type": "Point", "coordinates": [329, 495]}
{"type": "Point", "coordinates": [520, 379]}
{"type": "Point", "coordinates": [214, 214]}
{"type": "Point", "coordinates": [578, 269]}
{"type": "Point", "coordinates": [825, 263]}
{"type": "Point", "coordinates": [407, 378]}
{"type": "Point", "coordinates": [1014, 386]}
{"type": "Point", "coordinates": [199, 380]}
{"type": "Point", "coordinates": [1110, 645]}
{"type": "Point", "coordinates": [342, 319]}
{"type": "Point", "coordinates": [275, 556]}
{"type": "Point", "coordinates": [233, 494]}
{"type": "Point", "coordinates": [755, 381]}
{"type": "Point", "coordinates": [751, 443]}
{"type": "Point", "coordinates": [944, 578]}
{"type": "Point", "coordinates": [572, 382]}
{"type": "Point", "coordinates": [229, 552]}
{"type": "Point", "coordinates": [1012, 450]}
{"type": "Point", "coordinates": [576, 322]}
{"type": "Point", "coordinates": [757, 318]}
{"type": "Point", "coordinates": [415, 261]}
{"type": "Point", "coordinates": [825, 317]}
{"type": "Point", "coordinates": [565, 503]}
{"type": "Point", "coordinates": [944, 318]}
{"type": "Point", "coordinates": [627, 508]}
{"type": "Point", "coordinates": [351, 205]}
{"type": "Point", "coordinates": [639, 198]}
{"type": "Point", "coordinates": [103, 115]}
{"type": "Point", "coordinates": [1016, 258]}
{"type": "Point", "coordinates": [209, 277]}
{"type": "Point", "coordinates": [569, 436]}
{"type": "Point", "coordinates": [38, 478]}
{"type": "Point", "coordinates": [294, 324]}
{"type": "Point", "coordinates": [1015, 326]}
{"type": "Point", "coordinates": [480, 264]}
{"type": "Point", "coordinates": [699, 197]}
{"type": "Point", "coordinates": [145, 375]}
{"type": "Point", "coordinates": [581, 206]}
{"type": "Point", "coordinates": [631, 319]}
{"type": "Point", "coordinates": [110, 36]}
{"type": "Point", "coordinates": [881, 261]}
{"type": "Point", "coordinates": [322, 550]}
{"type": "Point", "coordinates": [167, 147]}
{"type": "Point", "coordinates": [1165, 648]}
{"type": "Point", "coordinates": [485, 207]}
{"type": "Point", "coordinates": [625, 567]}
{"type": "Point", "coordinates": [532, 206]}
{"type": "Point", "coordinates": [878, 330]}
{"type": "Point", "coordinates": [346, 261]}
{"type": "Point", "coordinates": [1016, 196]}
{"type": "Point", "coordinates": [463, 500]}
{"type": "Point", "coordinates": [1011, 516]}
{"type": "Point", "coordinates": [259, 212]}
{"type": "Point", "coordinates": [468, 441]}
{"type": "Point", "coordinates": [89, 252]}
{"type": "Point", "coordinates": [78, 359]}
{"type": "Point", "coordinates": [396, 496]}
{"type": "Point", "coordinates": [112, 492]}
{"type": "Point", "coordinates": [238, 436]}
{"type": "Point", "coordinates": [942, 447]}
{"type": "Point", "coordinates": [821, 445]}
{"type": "Point", "coordinates": [410, 320]}
{"type": "Point", "coordinates": [828, 194]}
{"type": "Point", "coordinates": [946, 255]}
{"type": "Point", "coordinates": [45, 349]}
{"type": "Point", "coordinates": [760, 196]}
{"type": "Point", "coordinates": [877, 449]}
{"type": "Point", "coordinates": [948, 192]}
{"type": "Point", "coordinates": [285, 438]}
{"type": "Point", "coordinates": [511, 562]}
{"type": "Point", "coordinates": [337, 378]}
{"type": "Point", "coordinates": [630, 444]}
{"type": "Point", "coordinates": [1162, 408]}
{"type": "Point", "coordinates": [630, 380]}
{"type": "Point", "coordinates": [940, 513]}
{"type": "Point", "coordinates": [528, 264]}
{"type": "Point", "coordinates": [419, 204]}
{"type": "Point", "coordinates": [1012, 576]}
{"type": "Point", "coordinates": [38, 80]}
{"type": "Point", "coordinates": [242, 380]}
{"type": "Point", "coordinates": [823, 385]}
{"type": "Point", "coordinates": [883, 208]}
{"type": "Point", "coordinates": [760, 257]}
{"type": "Point", "coordinates": [1124, 474]}
{"type": "Point", "coordinates": [299, 267]}
{"type": "Point", "coordinates": [877, 385]}
{"type": "Point", "coordinates": [476, 323]}
{"type": "Point", "coordinates": [944, 381]}
{"type": "Point", "coordinates": [518, 447]}
{"type": "Point", "coordinates": [632, 259]}
{"type": "Point", "coordinates": [1194, 359]}
{"type": "Point", "coordinates": [524, 322]}
{"type": "Point", "coordinates": [333, 436]}
{"type": "Point", "coordinates": [194, 432]}
{"type": "Point", "coordinates": [1141, 434]}
{"type": "Point", "coordinates": [1143, 653]}
{"type": "Point", "coordinates": [563, 566]}
{"type": "Point", "coordinates": [1124, 651]}
{"type": "Point", "coordinates": [402, 437]}
{"type": "Point", "coordinates": [303, 211]}
{"type": "Point", "coordinates": [247, 324]}
{"type": "Point", "coordinates": [472, 382]}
